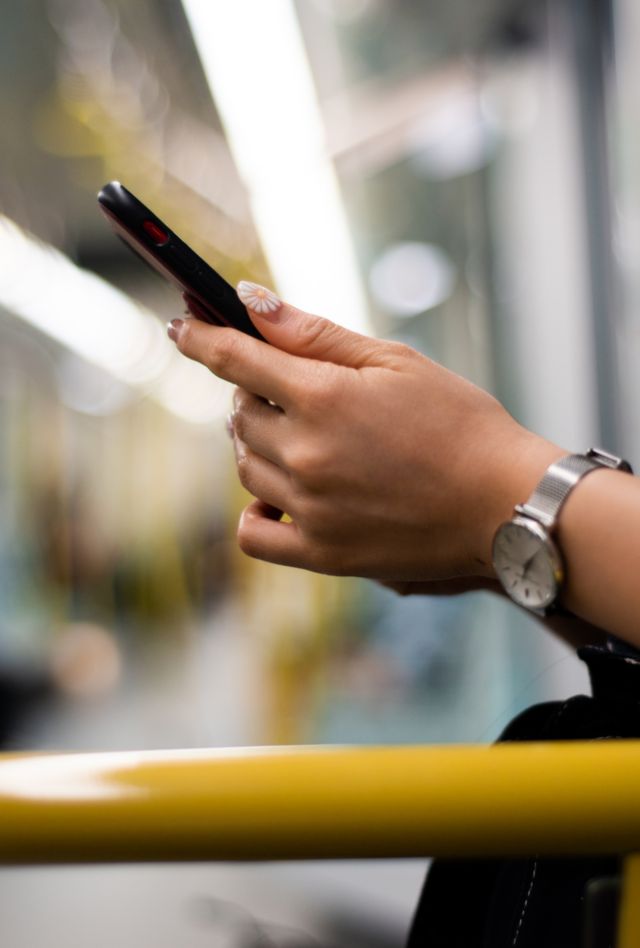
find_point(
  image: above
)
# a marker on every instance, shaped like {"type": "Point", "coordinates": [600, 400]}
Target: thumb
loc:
{"type": "Point", "coordinates": [300, 333]}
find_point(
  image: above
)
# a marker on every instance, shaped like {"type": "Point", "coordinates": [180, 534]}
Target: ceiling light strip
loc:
{"type": "Point", "coordinates": [255, 61]}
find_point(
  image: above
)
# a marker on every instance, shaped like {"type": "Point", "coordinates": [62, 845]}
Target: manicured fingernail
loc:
{"type": "Point", "coordinates": [173, 329]}
{"type": "Point", "coordinates": [229, 424]}
{"type": "Point", "coordinates": [259, 299]}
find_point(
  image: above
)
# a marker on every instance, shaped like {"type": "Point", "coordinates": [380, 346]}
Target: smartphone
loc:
{"type": "Point", "coordinates": [208, 295]}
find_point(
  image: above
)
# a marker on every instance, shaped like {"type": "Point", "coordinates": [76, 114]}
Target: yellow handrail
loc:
{"type": "Point", "coordinates": [321, 802]}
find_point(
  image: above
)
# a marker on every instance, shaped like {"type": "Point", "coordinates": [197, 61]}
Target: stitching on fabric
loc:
{"type": "Point", "coordinates": [561, 710]}
{"type": "Point", "coordinates": [554, 721]}
{"type": "Point", "coordinates": [526, 902]}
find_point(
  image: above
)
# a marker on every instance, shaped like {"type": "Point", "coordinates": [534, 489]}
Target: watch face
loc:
{"type": "Point", "coordinates": [527, 563]}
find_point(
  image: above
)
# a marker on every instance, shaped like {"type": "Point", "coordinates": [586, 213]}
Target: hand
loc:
{"type": "Point", "coordinates": [388, 465]}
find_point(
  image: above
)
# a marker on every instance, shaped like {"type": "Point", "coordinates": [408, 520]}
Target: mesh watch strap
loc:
{"type": "Point", "coordinates": [559, 480]}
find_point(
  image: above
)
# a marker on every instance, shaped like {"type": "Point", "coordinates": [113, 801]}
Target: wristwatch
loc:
{"type": "Point", "coordinates": [526, 559]}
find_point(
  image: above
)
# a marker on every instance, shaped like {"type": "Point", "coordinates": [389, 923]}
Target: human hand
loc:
{"type": "Point", "coordinates": [388, 465]}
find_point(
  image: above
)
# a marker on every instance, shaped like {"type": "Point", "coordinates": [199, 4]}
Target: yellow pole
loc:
{"type": "Point", "coordinates": [299, 803]}
{"type": "Point", "coordinates": [629, 917]}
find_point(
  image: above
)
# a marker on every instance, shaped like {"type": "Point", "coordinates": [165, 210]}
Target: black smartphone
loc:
{"type": "Point", "coordinates": [208, 295]}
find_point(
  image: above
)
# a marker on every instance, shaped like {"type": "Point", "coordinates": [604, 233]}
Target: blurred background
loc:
{"type": "Point", "coordinates": [461, 175]}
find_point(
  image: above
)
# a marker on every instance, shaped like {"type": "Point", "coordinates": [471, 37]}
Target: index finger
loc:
{"type": "Point", "coordinates": [232, 355]}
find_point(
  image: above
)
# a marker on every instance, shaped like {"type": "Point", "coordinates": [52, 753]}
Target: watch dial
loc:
{"type": "Point", "coordinates": [526, 565]}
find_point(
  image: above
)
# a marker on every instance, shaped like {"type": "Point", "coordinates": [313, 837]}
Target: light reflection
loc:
{"type": "Point", "coordinates": [124, 774]}
{"type": "Point", "coordinates": [76, 307]}
{"type": "Point", "coordinates": [193, 393]}
{"type": "Point", "coordinates": [90, 390]}
{"type": "Point", "coordinates": [453, 140]}
{"type": "Point", "coordinates": [412, 277]}
{"type": "Point", "coordinates": [102, 325]}
{"type": "Point", "coordinates": [70, 777]}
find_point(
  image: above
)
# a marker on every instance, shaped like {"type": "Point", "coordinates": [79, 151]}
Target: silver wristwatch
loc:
{"type": "Point", "coordinates": [526, 559]}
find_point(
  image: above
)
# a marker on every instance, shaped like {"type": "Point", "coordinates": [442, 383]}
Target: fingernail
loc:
{"type": "Point", "coordinates": [259, 299]}
{"type": "Point", "coordinates": [229, 424]}
{"type": "Point", "coordinates": [173, 329]}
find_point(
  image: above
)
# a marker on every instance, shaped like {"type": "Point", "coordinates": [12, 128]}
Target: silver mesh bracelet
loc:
{"type": "Point", "coordinates": [559, 480]}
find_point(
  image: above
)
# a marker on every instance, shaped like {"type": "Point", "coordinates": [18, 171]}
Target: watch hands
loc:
{"type": "Point", "coordinates": [525, 568]}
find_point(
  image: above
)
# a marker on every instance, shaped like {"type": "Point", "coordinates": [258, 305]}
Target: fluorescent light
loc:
{"type": "Point", "coordinates": [102, 325]}
{"type": "Point", "coordinates": [77, 308]}
{"type": "Point", "coordinates": [254, 58]}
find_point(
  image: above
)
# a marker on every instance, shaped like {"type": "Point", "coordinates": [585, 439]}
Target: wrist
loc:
{"type": "Point", "coordinates": [592, 517]}
{"type": "Point", "coordinates": [530, 561]}
{"type": "Point", "coordinates": [518, 469]}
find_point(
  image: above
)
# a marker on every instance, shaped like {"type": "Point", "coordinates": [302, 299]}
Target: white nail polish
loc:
{"type": "Point", "coordinates": [258, 298]}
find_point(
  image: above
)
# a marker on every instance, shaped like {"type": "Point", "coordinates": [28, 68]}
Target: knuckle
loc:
{"type": "Point", "coordinates": [239, 424]}
{"type": "Point", "coordinates": [303, 463]}
{"type": "Point", "coordinates": [247, 412]}
{"type": "Point", "coordinates": [249, 417]}
{"type": "Point", "coordinates": [399, 352]}
{"type": "Point", "coordinates": [243, 467]}
{"type": "Point", "coordinates": [222, 352]}
{"type": "Point", "coordinates": [240, 398]}
{"type": "Point", "coordinates": [312, 331]}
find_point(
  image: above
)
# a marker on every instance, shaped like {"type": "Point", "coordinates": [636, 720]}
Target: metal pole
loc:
{"type": "Point", "coordinates": [590, 38]}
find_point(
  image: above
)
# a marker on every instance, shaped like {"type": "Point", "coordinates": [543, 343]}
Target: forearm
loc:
{"type": "Point", "coordinates": [599, 535]}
